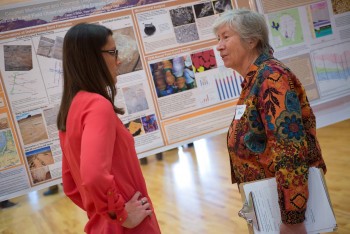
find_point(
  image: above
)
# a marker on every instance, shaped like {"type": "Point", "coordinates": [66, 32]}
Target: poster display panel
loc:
{"type": "Point", "coordinates": [172, 83]}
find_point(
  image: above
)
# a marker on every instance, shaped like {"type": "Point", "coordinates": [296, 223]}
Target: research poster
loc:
{"type": "Point", "coordinates": [172, 83]}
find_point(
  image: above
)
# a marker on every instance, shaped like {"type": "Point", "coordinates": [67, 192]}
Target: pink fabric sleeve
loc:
{"type": "Point", "coordinates": [70, 188]}
{"type": "Point", "coordinates": [97, 146]}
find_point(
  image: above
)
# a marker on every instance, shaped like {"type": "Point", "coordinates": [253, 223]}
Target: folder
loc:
{"type": "Point", "coordinates": [261, 208]}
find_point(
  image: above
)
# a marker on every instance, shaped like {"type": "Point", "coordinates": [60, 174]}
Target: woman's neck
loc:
{"type": "Point", "coordinates": [248, 62]}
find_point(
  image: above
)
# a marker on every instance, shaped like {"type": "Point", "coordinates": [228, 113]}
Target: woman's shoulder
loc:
{"type": "Point", "coordinates": [89, 108]}
{"type": "Point", "coordinates": [84, 99]}
{"type": "Point", "coordinates": [273, 68]}
{"type": "Point", "coordinates": [89, 96]}
{"type": "Point", "coordinates": [278, 66]}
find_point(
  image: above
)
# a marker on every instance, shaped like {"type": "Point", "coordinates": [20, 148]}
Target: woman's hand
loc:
{"type": "Point", "coordinates": [292, 228]}
{"type": "Point", "coordinates": [137, 210]}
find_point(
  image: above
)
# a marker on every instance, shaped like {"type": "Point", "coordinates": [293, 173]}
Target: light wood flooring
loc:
{"type": "Point", "coordinates": [190, 189]}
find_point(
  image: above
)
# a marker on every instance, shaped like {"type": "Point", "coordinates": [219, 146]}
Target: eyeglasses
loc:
{"type": "Point", "coordinates": [111, 52]}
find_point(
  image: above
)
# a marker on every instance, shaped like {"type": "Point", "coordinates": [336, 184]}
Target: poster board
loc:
{"type": "Point", "coordinates": [174, 32]}
{"type": "Point", "coordinates": [147, 32]}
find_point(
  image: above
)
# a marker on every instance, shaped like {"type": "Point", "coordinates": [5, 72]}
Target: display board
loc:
{"type": "Point", "coordinates": [312, 37]}
{"type": "Point", "coordinates": [197, 97]}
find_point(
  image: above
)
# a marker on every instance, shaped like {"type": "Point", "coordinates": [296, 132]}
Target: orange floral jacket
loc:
{"type": "Point", "coordinates": [275, 135]}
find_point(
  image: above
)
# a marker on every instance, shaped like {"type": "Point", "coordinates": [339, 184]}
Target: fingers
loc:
{"type": "Point", "coordinates": [146, 205]}
{"type": "Point", "coordinates": [148, 212]}
{"type": "Point", "coordinates": [135, 219]}
{"type": "Point", "coordinates": [136, 196]}
{"type": "Point", "coordinates": [137, 209]}
{"type": "Point", "coordinates": [137, 203]}
{"type": "Point", "coordinates": [143, 200]}
{"type": "Point", "coordinates": [147, 209]}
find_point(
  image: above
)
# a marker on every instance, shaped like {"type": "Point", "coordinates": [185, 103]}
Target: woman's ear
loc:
{"type": "Point", "coordinates": [252, 43]}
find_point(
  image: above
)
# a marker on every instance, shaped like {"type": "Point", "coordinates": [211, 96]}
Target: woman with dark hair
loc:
{"type": "Point", "coordinates": [273, 133]}
{"type": "Point", "coordinates": [100, 169]}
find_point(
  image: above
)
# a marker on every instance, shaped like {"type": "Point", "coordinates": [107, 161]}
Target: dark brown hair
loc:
{"type": "Point", "coordinates": [84, 68]}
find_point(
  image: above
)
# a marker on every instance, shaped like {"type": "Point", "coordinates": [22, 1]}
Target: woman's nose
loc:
{"type": "Point", "coordinates": [118, 61]}
{"type": "Point", "coordinates": [219, 46]}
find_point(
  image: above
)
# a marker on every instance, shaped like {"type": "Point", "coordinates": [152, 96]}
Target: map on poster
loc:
{"type": "Point", "coordinates": [8, 152]}
{"type": "Point", "coordinates": [286, 28]}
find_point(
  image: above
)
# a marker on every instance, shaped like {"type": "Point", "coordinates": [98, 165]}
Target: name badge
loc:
{"type": "Point", "coordinates": [239, 111]}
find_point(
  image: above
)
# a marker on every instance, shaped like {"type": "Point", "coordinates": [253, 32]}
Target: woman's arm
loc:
{"type": "Point", "coordinates": [280, 111]}
{"type": "Point", "coordinates": [69, 186]}
{"type": "Point", "coordinates": [97, 148]}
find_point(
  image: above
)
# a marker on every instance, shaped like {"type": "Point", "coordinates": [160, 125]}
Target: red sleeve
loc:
{"type": "Point", "coordinates": [97, 146]}
{"type": "Point", "coordinates": [69, 186]}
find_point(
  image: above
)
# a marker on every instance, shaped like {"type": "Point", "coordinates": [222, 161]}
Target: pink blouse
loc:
{"type": "Point", "coordinates": [100, 168]}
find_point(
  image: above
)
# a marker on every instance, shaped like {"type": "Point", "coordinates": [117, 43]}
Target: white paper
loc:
{"type": "Point", "coordinates": [319, 214]}
{"type": "Point", "coordinates": [239, 111]}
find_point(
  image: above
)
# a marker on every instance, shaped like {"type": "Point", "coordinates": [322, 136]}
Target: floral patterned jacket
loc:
{"type": "Point", "coordinates": [274, 135]}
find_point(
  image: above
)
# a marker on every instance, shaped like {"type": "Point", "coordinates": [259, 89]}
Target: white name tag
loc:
{"type": "Point", "coordinates": [239, 111]}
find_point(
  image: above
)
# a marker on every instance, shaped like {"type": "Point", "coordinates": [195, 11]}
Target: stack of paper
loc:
{"type": "Point", "coordinates": [319, 213]}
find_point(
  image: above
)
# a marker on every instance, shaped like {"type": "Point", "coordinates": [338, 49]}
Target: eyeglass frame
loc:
{"type": "Point", "coordinates": [111, 52]}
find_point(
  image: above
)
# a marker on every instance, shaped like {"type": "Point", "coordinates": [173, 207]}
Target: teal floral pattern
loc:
{"type": "Point", "coordinates": [255, 142]}
{"type": "Point", "coordinates": [291, 126]}
{"type": "Point", "coordinates": [255, 120]}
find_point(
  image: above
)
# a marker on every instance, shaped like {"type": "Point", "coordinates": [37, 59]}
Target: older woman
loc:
{"type": "Point", "coordinates": [275, 136]}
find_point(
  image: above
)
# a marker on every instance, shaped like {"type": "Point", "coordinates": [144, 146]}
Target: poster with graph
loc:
{"type": "Point", "coordinates": [218, 86]}
{"type": "Point", "coordinates": [321, 21]}
{"type": "Point", "coordinates": [332, 69]}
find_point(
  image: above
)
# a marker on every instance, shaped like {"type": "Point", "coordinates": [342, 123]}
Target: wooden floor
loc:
{"type": "Point", "coordinates": [191, 191]}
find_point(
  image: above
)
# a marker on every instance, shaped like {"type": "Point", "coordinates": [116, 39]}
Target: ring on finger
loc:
{"type": "Point", "coordinates": [143, 202]}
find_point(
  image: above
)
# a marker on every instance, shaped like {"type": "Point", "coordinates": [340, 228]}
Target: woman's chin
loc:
{"type": "Point", "coordinates": [226, 63]}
